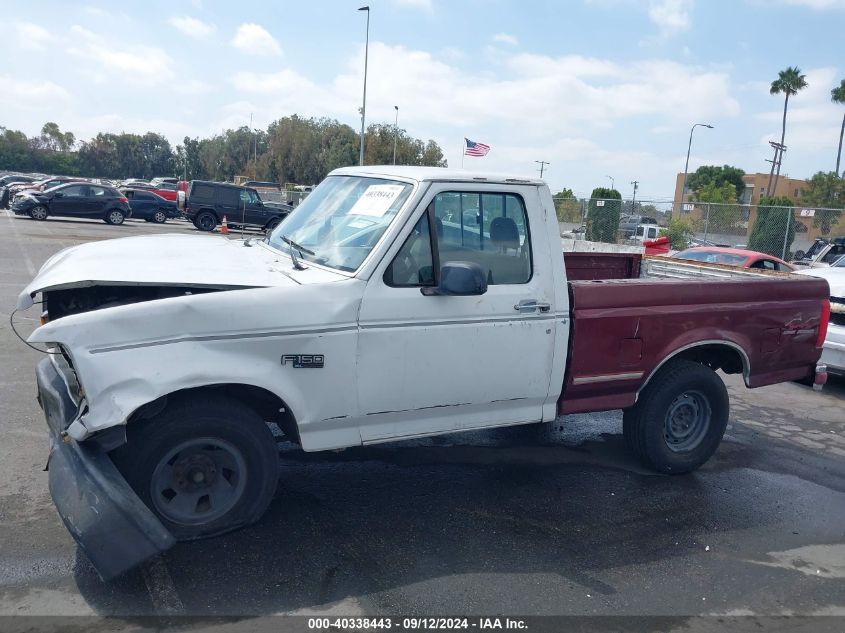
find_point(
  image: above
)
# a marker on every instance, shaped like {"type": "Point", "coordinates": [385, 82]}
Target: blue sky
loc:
{"type": "Point", "coordinates": [596, 87]}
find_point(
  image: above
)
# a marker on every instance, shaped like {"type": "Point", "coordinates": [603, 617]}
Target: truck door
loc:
{"type": "Point", "coordinates": [432, 364]}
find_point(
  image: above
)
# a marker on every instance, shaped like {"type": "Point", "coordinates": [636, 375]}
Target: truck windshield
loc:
{"type": "Point", "coordinates": [341, 221]}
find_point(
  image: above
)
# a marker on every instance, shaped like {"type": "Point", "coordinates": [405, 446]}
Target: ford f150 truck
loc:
{"type": "Point", "coordinates": [393, 303]}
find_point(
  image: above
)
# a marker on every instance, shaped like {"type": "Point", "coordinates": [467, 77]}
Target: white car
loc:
{"type": "Point", "coordinates": [834, 343]}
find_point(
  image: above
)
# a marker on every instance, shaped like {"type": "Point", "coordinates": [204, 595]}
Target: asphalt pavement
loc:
{"type": "Point", "coordinates": [543, 519]}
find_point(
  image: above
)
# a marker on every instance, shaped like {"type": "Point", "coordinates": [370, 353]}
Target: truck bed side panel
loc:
{"type": "Point", "coordinates": [623, 330]}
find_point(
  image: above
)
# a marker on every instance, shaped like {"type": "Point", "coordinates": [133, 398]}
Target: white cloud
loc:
{"type": "Point", "coordinates": [191, 27]}
{"type": "Point", "coordinates": [31, 37]}
{"type": "Point", "coordinates": [504, 38]}
{"type": "Point", "coordinates": [254, 39]}
{"type": "Point", "coordinates": [142, 63]}
{"type": "Point", "coordinates": [818, 5]}
{"type": "Point", "coordinates": [672, 16]}
{"type": "Point", "coordinates": [32, 95]}
{"type": "Point", "coordinates": [192, 87]}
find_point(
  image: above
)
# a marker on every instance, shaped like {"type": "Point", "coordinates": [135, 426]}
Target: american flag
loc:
{"type": "Point", "coordinates": [476, 149]}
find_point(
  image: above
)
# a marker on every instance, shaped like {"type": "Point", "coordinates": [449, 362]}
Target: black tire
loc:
{"type": "Point", "coordinates": [159, 217]}
{"type": "Point", "coordinates": [38, 212]}
{"type": "Point", "coordinates": [207, 426]}
{"type": "Point", "coordinates": [679, 419]}
{"type": "Point", "coordinates": [114, 217]}
{"type": "Point", "coordinates": [272, 224]}
{"type": "Point", "coordinates": [206, 221]}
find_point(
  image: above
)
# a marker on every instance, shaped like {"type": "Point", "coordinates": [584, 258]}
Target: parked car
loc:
{"type": "Point", "coordinates": [161, 179]}
{"type": "Point", "coordinates": [7, 183]}
{"type": "Point", "coordinates": [821, 254]}
{"type": "Point", "coordinates": [75, 200]}
{"type": "Point", "coordinates": [644, 232]}
{"type": "Point", "coordinates": [834, 343]}
{"type": "Point", "coordinates": [367, 317]}
{"type": "Point", "coordinates": [261, 185]}
{"type": "Point", "coordinates": [629, 223]}
{"type": "Point", "coordinates": [734, 257]}
{"type": "Point", "coordinates": [149, 206]}
{"type": "Point", "coordinates": [164, 189]}
{"type": "Point", "coordinates": [207, 202]}
{"type": "Point", "coordinates": [39, 185]}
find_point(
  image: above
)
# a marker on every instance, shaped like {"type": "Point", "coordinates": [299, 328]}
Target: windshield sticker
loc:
{"type": "Point", "coordinates": [376, 200]}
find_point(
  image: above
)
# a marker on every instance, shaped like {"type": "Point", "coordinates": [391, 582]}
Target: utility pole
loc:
{"type": "Point", "coordinates": [364, 101]}
{"type": "Point", "coordinates": [395, 133]}
{"type": "Point", "coordinates": [636, 184]}
{"type": "Point", "coordinates": [611, 181]}
{"type": "Point", "coordinates": [776, 160]}
{"type": "Point", "coordinates": [542, 164]}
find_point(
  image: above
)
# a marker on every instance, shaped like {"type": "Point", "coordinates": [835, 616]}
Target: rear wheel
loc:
{"type": "Point", "coordinates": [206, 221]}
{"type": "Point", "coordinates": [159, 217]}
{"type": "Point", "coordinates": [38, 212]}
{"type": "Point", "coordinates": [204, 467]}
{"type": "Point", "coordinates": [115, 217]}
{"type": "Point", "coordinates": [272, 224]}
{"type": "Point", "coordinates": [679, 419]}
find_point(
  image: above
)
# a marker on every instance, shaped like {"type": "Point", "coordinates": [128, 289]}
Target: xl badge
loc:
{"type": "Point", "coordinates": [304, 361]}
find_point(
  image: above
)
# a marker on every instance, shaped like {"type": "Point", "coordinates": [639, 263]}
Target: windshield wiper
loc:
{"type": "Point", "coordinates": [296, 263]}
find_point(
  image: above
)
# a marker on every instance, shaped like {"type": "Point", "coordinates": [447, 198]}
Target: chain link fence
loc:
{"type": "Point", "coordinates": [777, 230]}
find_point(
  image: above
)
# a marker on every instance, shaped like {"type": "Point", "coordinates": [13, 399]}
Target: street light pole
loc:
{"type": "Point", "coordinates": [686, 165]}
{"type": "Point", "coordinates": [636, 184]}
{"type": "Point", "coordinates": [611, 181]}
{"type": "Point", "coordinates": [395, 133]}
{"type": "Point", "coordinates": [364, 101]}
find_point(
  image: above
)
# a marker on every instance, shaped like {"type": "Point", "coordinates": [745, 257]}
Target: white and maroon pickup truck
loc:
{"type": "Point", "coordinates": [392, 303]}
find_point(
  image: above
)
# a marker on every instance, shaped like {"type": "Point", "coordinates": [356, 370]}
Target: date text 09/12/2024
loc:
{"type": "Point", "coordinates": [416, 623]}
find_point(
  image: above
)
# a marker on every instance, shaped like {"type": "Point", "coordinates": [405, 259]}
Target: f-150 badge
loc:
{"type": "Point", "coordinates": [304, 361]}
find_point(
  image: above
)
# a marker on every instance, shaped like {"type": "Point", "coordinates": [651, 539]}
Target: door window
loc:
{"type": "Point", "coordinates": [76, 191]}
{"type": "Point", "coordinates": [97, 192]}
{"type": "Point", "coordinates": [228, 197]}
{"type": "Point", "coordinates": [489, 229]}
{"type": "Point", "coordinates": [248, 196]}
{"type": "Point", "coordinates": [836, 251]}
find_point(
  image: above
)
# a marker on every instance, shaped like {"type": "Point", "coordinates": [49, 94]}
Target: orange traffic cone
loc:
{"type": "Point", "coordinates": [224, 227]}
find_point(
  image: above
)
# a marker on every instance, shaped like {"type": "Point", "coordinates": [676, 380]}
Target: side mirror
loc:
{"type": "Point", "coordinates": [458, 279]}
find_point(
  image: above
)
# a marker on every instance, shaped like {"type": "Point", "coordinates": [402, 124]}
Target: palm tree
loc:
{"type": "Point", "coordinates": [837, 95]}
{"type": "Point", "coordinates": [789, 82]}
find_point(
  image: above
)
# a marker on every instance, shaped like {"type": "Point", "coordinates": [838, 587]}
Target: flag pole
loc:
{"type": "Point", "coordinates": [463, 151]}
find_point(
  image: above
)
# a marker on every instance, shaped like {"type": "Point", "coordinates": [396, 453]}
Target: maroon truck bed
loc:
{"type": "Point", "coordinates": [623, 330]}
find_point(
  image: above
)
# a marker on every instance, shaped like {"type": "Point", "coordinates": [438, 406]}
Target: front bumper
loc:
{"type": "Point", "coordinates": [103, 514]}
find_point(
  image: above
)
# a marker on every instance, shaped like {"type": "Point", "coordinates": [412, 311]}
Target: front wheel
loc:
{"type": "Point", "coordinates": [204, 467]}
{"type": "Point", "coordinates": [206, 221]}
{"type": "Point", "coordinates": [38, 212]}
{"type": "Point", "coordinates": [115, 217]}
{"type": "Point", "coordinates": [679, 419]}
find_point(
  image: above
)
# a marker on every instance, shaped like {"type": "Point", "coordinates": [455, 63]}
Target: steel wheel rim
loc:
{"type": "Point", "coordinates": [39, 213]}
{"type": "Point", "coordinates": [159, 217]}
{"type": "Point", "coordinates": [687, 421]}
{"type": "Point", "coordinates": [116, 217]}
{"type": "Point", "coordinates": [198, 481]}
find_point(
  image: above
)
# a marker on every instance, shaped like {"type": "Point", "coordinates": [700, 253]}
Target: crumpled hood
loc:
{"type": "Point", "coordinates": [168, 260]}
{"type": "Point", "coordinates": [835, 278]}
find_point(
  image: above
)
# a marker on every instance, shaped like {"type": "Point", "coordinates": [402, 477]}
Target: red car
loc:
{"type": "Point", "coordinates": [163, 189]}
{"type": "Point", "coordinates": [734, 257]}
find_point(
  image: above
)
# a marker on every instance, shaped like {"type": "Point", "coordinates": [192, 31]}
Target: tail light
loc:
{"type": "Point", "coordinates": [825, 319]}
{"type": "Point", "coordinates": [125, 200]}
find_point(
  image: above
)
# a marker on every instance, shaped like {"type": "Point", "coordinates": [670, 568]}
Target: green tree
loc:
{"type": "Point", "coordinates": [774, 221]}
{"type": "Point", "coordinates": [53, 139]}
{"type": "Point", "coordinates": [720, 204]}
{"type": "Point", "coordinates": [719, 176]}
{"type": "Point", "coordinates": [603, 214]}
{"type": "Point", "coordinates": [680, 231]}
{"type": "Point", "coordinates": [825, 190]}
{"type": "Point", "coordinates": [789, 82]}
{"type": "Point", "coordinates": [837, 95]}
{"type": "Point", "coordinates": [567, 207]}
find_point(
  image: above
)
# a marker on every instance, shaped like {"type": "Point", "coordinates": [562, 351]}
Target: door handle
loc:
{"type": "Point", "coordinates": [531, 305]}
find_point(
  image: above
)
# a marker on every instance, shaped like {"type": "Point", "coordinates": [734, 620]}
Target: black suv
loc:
{"type": "Point", "coordinates": [208, 202]}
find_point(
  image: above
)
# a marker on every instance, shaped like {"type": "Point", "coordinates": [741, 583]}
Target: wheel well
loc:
{"type": "Point", "coordinates": [265, 403]}
{"type": "Point", "coordinates": [729, 358]}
